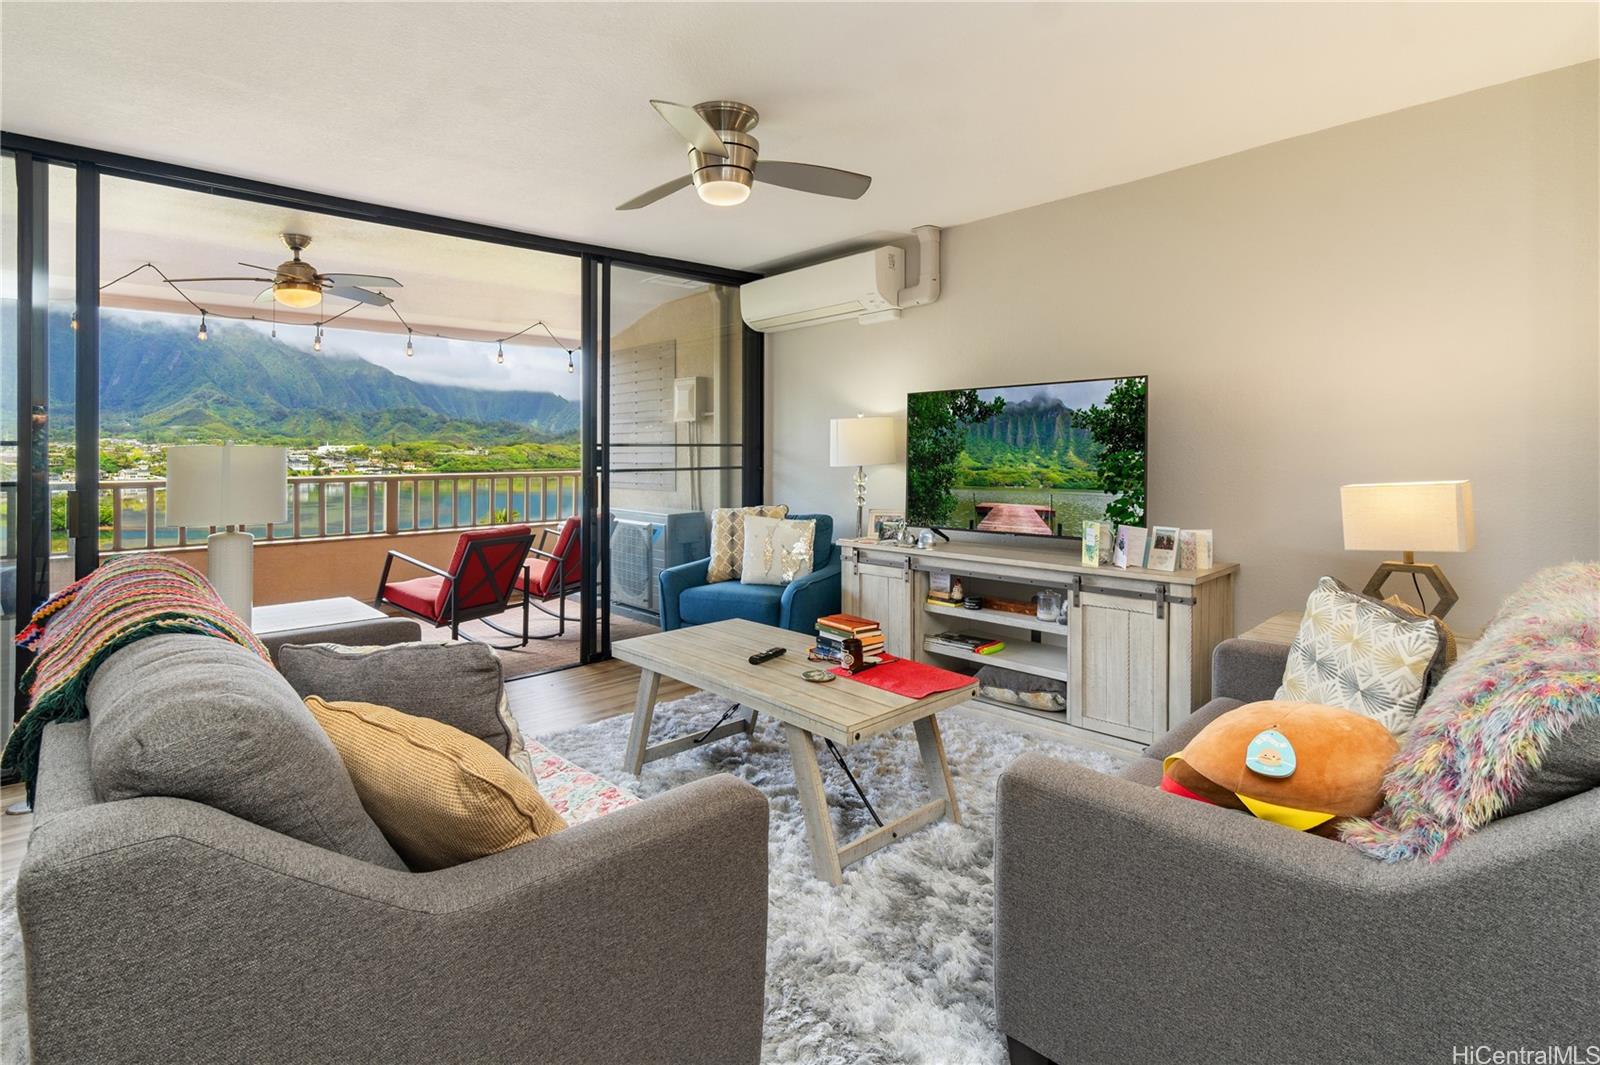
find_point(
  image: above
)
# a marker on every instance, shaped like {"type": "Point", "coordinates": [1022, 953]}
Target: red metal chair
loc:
{"type": "Point", "coordinates": [552, 574]}
{"type": "Point", "coordinates": [485, 569]}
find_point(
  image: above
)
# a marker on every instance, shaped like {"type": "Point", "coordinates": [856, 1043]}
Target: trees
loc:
{"type": "Point", "coordinates": [936, 425]}
{"type": "Point", "coordinates": [1119, 430]}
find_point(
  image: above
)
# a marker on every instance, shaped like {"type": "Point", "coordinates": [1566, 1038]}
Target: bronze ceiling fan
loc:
{"type": "Point", "coordinates": [724, 160]}
{"type": "Point", "coordinates": [296, 283]}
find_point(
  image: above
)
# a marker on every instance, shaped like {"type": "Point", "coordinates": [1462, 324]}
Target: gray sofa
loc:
{"type": "Point", "coordinates": [1135, 926]}
{"type": "Point", "coordinates": [159, 929]}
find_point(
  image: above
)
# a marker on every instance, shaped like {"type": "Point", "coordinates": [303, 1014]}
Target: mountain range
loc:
{"type": "Point", "coordinates": [158, 381]}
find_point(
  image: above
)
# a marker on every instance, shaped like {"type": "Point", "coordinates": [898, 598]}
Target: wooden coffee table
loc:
{"type": "Point", "coordinates": [716, 657]}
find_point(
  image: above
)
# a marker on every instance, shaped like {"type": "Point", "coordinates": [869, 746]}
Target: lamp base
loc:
{"type": "Point", "coordinates": [1435, 576]}
{"type": "Point", "coordinates": [230, 567]}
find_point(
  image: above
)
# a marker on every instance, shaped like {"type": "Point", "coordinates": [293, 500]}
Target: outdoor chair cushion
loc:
{"type": "Point", "coordinates": [471, 588]}
{"type": "Point", "coordinates": [420, 595]}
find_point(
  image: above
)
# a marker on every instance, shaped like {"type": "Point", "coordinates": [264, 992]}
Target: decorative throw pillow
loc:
{"type": "Point", "coordinates": [1355, 652]}
{"type": "Point", "coordinates": [776, 550]}
{"type": "Point", "coordinates": [459, 684]}
{"type": "Point", "coordinates": [1300, 765]}
{"type": "Point", "coordinates": [727, 538]}
{"type": "Point", "coordinates": [198, 718]}
{"type": "Point", "coordinates": [442, 797]}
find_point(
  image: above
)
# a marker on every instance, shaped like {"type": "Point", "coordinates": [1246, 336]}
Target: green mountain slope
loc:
{"type": "Point", "coordinates": [158, 381]}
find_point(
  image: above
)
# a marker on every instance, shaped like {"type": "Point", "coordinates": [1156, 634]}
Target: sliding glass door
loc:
{"type": "Point", "coordinates": [679, 393]}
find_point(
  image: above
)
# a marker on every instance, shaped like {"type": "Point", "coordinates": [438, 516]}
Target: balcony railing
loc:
{"type": "Point", "coordinates": [132, 513]}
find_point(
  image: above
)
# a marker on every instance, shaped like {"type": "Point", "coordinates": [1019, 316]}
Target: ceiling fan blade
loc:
{"type": "Point", "coordinates": [273, 270]}
{"type": "Point", "coordinates": [184, 280]}
{"type": "Point", "coordinates": [645, 199]}
{"type": "Point", "coordinates": [365, 280]}
{"type": "Point", "coordinates": [805, 177]}
{"type": "Point", "coordinates": [696, 131]}
{"type": "Point", "coordinates": [360, 295]}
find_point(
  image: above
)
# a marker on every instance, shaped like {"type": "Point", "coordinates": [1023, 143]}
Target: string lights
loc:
{"type": "Point", "coordinates": [206, 313]}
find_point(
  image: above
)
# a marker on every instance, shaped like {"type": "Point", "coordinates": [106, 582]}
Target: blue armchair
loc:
{"type": "Point", "coordinates": [686, 598]}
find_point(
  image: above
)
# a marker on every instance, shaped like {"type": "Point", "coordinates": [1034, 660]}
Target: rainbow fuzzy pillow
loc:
{"type": "Point", "coordinates": [1482, 738]}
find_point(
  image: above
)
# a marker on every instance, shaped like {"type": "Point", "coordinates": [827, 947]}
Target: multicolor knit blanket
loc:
{"type": "Point", "coordinates": [78, 628]}
{"type": "Point", "coordinates": [1532, 676]}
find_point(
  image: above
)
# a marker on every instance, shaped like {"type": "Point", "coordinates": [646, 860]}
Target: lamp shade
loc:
{"type": "Point", "coordinates": [1408, 516]}
{"type": "Point", "coordinates": [226, 484]}
{"type": "Point", "coordinates": [862, 441]}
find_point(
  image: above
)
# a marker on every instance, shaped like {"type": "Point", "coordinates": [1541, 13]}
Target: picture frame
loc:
{"type": "Point", "coordinates": [878, 517]}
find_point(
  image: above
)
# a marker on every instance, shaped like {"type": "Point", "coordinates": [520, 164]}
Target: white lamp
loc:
{"type": "Point", "coordinates": [861, 442]}
{"type": "Point", "coordinates": [228, 485]}
{"type": "Point", "coordinates": [1409, 516]}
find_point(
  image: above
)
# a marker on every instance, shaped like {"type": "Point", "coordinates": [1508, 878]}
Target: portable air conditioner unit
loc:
{"type": "Point", "coordinates": [643, 543]}
{"type": "Point", "coordinates": [864, 287]}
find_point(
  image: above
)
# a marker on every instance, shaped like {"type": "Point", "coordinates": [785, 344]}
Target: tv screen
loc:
{"type": "Point", "coordinates": [1034, 460]}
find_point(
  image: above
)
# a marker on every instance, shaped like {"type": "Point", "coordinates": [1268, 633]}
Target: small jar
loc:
{"type": "Point", "coordinates": [1047, 605]}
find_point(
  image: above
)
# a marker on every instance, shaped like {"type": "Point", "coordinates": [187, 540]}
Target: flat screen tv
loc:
{"type": "Point", "coordinates": [1031, 460]}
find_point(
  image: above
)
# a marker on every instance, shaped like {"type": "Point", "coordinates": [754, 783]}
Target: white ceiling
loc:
{"type": "Point", "coordinates": [534, 116]}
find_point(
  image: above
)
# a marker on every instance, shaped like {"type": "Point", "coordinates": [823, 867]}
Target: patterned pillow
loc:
{"type": "Point", "coordinates": [776, 550]}
{"type": "Point", "coordinates": [1359, 654]}
{"type": "Point", "coordinates": [727, 538]}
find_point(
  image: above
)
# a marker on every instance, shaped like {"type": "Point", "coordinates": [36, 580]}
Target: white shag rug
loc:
{"type": "Point", "coordinates": [893, 966]}
{"type": "Point", "coordinates": [896, 964]}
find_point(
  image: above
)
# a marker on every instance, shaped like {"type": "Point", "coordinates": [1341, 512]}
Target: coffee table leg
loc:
{"type": "Point", "coordinates": [750, 722]}
{"type": "Point", "coordinates": [644, 708]}
{"type": "Point", "coordinates": [931, 744]}
{"type": "Point", "coordinates": [814, 802]}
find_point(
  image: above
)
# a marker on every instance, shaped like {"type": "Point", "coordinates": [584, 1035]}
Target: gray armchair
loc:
{"type": "Point", "coordinates": [1135, 926]}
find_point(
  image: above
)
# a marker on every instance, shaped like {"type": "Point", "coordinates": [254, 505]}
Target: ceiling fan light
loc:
{"type": "Point", "coordinates": [297, 294]}
{"type": "Point", "coordinates": [723, 193]}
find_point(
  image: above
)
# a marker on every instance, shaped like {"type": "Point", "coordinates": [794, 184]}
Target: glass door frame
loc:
{"type": "Point", "coordinates": [594, 260]}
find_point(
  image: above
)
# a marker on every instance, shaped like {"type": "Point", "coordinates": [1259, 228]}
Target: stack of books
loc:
{"type": "Point", "coordinates": [965, 643]}
{"type": "Point", "coordinates": [835, 629]}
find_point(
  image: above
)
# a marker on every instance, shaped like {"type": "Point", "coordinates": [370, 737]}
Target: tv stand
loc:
{"type": "Point", "coordinates": [1133, 656]}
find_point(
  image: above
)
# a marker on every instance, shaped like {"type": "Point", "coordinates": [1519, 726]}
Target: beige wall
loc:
{"type": "Point", "coordinates": [1408, 297]}
{"type": "Point", "coordinates": [707, 334]}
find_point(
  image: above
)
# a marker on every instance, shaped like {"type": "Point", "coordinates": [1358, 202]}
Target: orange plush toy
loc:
{"type": "Point", "coordinates": [1302, 765]}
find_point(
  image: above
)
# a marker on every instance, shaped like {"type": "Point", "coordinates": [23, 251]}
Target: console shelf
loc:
{"type": "Point", "coordinates": [1039, 659]}
{"type": "Point", "coordinates": [1134, 655]}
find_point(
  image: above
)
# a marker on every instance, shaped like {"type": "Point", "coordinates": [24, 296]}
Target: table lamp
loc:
{"type": "Point", "coordinates": [228, 485]}
{"type": "Point", "coordinates": [1409, 517]}
{"type": "Point", "coordinates": [862, 442]}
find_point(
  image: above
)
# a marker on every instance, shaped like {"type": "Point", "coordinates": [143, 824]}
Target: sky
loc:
{"type": "Point", "coordinates": [469, 364]}
{"type": "Point", "coordinates": [1075, 395]}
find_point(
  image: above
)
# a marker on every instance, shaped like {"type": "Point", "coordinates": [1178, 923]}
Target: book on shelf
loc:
{"type": "Point", "coordinates": [967, 642]}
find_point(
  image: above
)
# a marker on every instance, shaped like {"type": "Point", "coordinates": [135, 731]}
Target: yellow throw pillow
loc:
{"type": "Point", "coordinates": [442, 797]}
{"type": "Point", "coordinates": [727, 539]}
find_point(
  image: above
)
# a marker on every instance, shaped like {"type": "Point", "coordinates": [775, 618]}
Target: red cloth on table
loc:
{"type": "Point", "coordinates": [914, 680]}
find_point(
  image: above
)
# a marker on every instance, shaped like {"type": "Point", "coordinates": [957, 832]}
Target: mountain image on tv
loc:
{"type": "Point", "coordinates": [1036, 460]}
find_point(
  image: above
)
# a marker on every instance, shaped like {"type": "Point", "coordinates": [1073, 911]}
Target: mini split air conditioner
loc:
{"type": "Point", "coordinates": [867, 287]}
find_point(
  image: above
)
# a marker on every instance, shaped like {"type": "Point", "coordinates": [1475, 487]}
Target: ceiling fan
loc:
{"type": "Point", "coordinates": [723, 159]}
{"type": "Point", "coordinates": [297, 284]}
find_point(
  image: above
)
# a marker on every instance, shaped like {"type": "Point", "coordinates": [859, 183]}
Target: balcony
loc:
{"type": "Point", "coordinates": [339, 527]}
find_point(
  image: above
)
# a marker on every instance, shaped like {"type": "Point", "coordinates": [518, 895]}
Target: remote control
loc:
{"type": "Point", "coordinates": [766, 656]}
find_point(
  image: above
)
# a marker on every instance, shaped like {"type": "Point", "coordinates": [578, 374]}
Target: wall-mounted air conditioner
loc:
{"type": "Point", "coordinates": [867, 287]}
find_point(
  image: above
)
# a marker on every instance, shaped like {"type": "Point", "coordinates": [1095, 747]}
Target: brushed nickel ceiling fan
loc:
{"type": "Point", "coordinates": [296, 283]}
{"type": "Point", "coordinates": [724, 160]}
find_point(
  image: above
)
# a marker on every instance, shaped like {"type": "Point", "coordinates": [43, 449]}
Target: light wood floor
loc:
{"type": "Point", "coordinates": [547, 703]}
